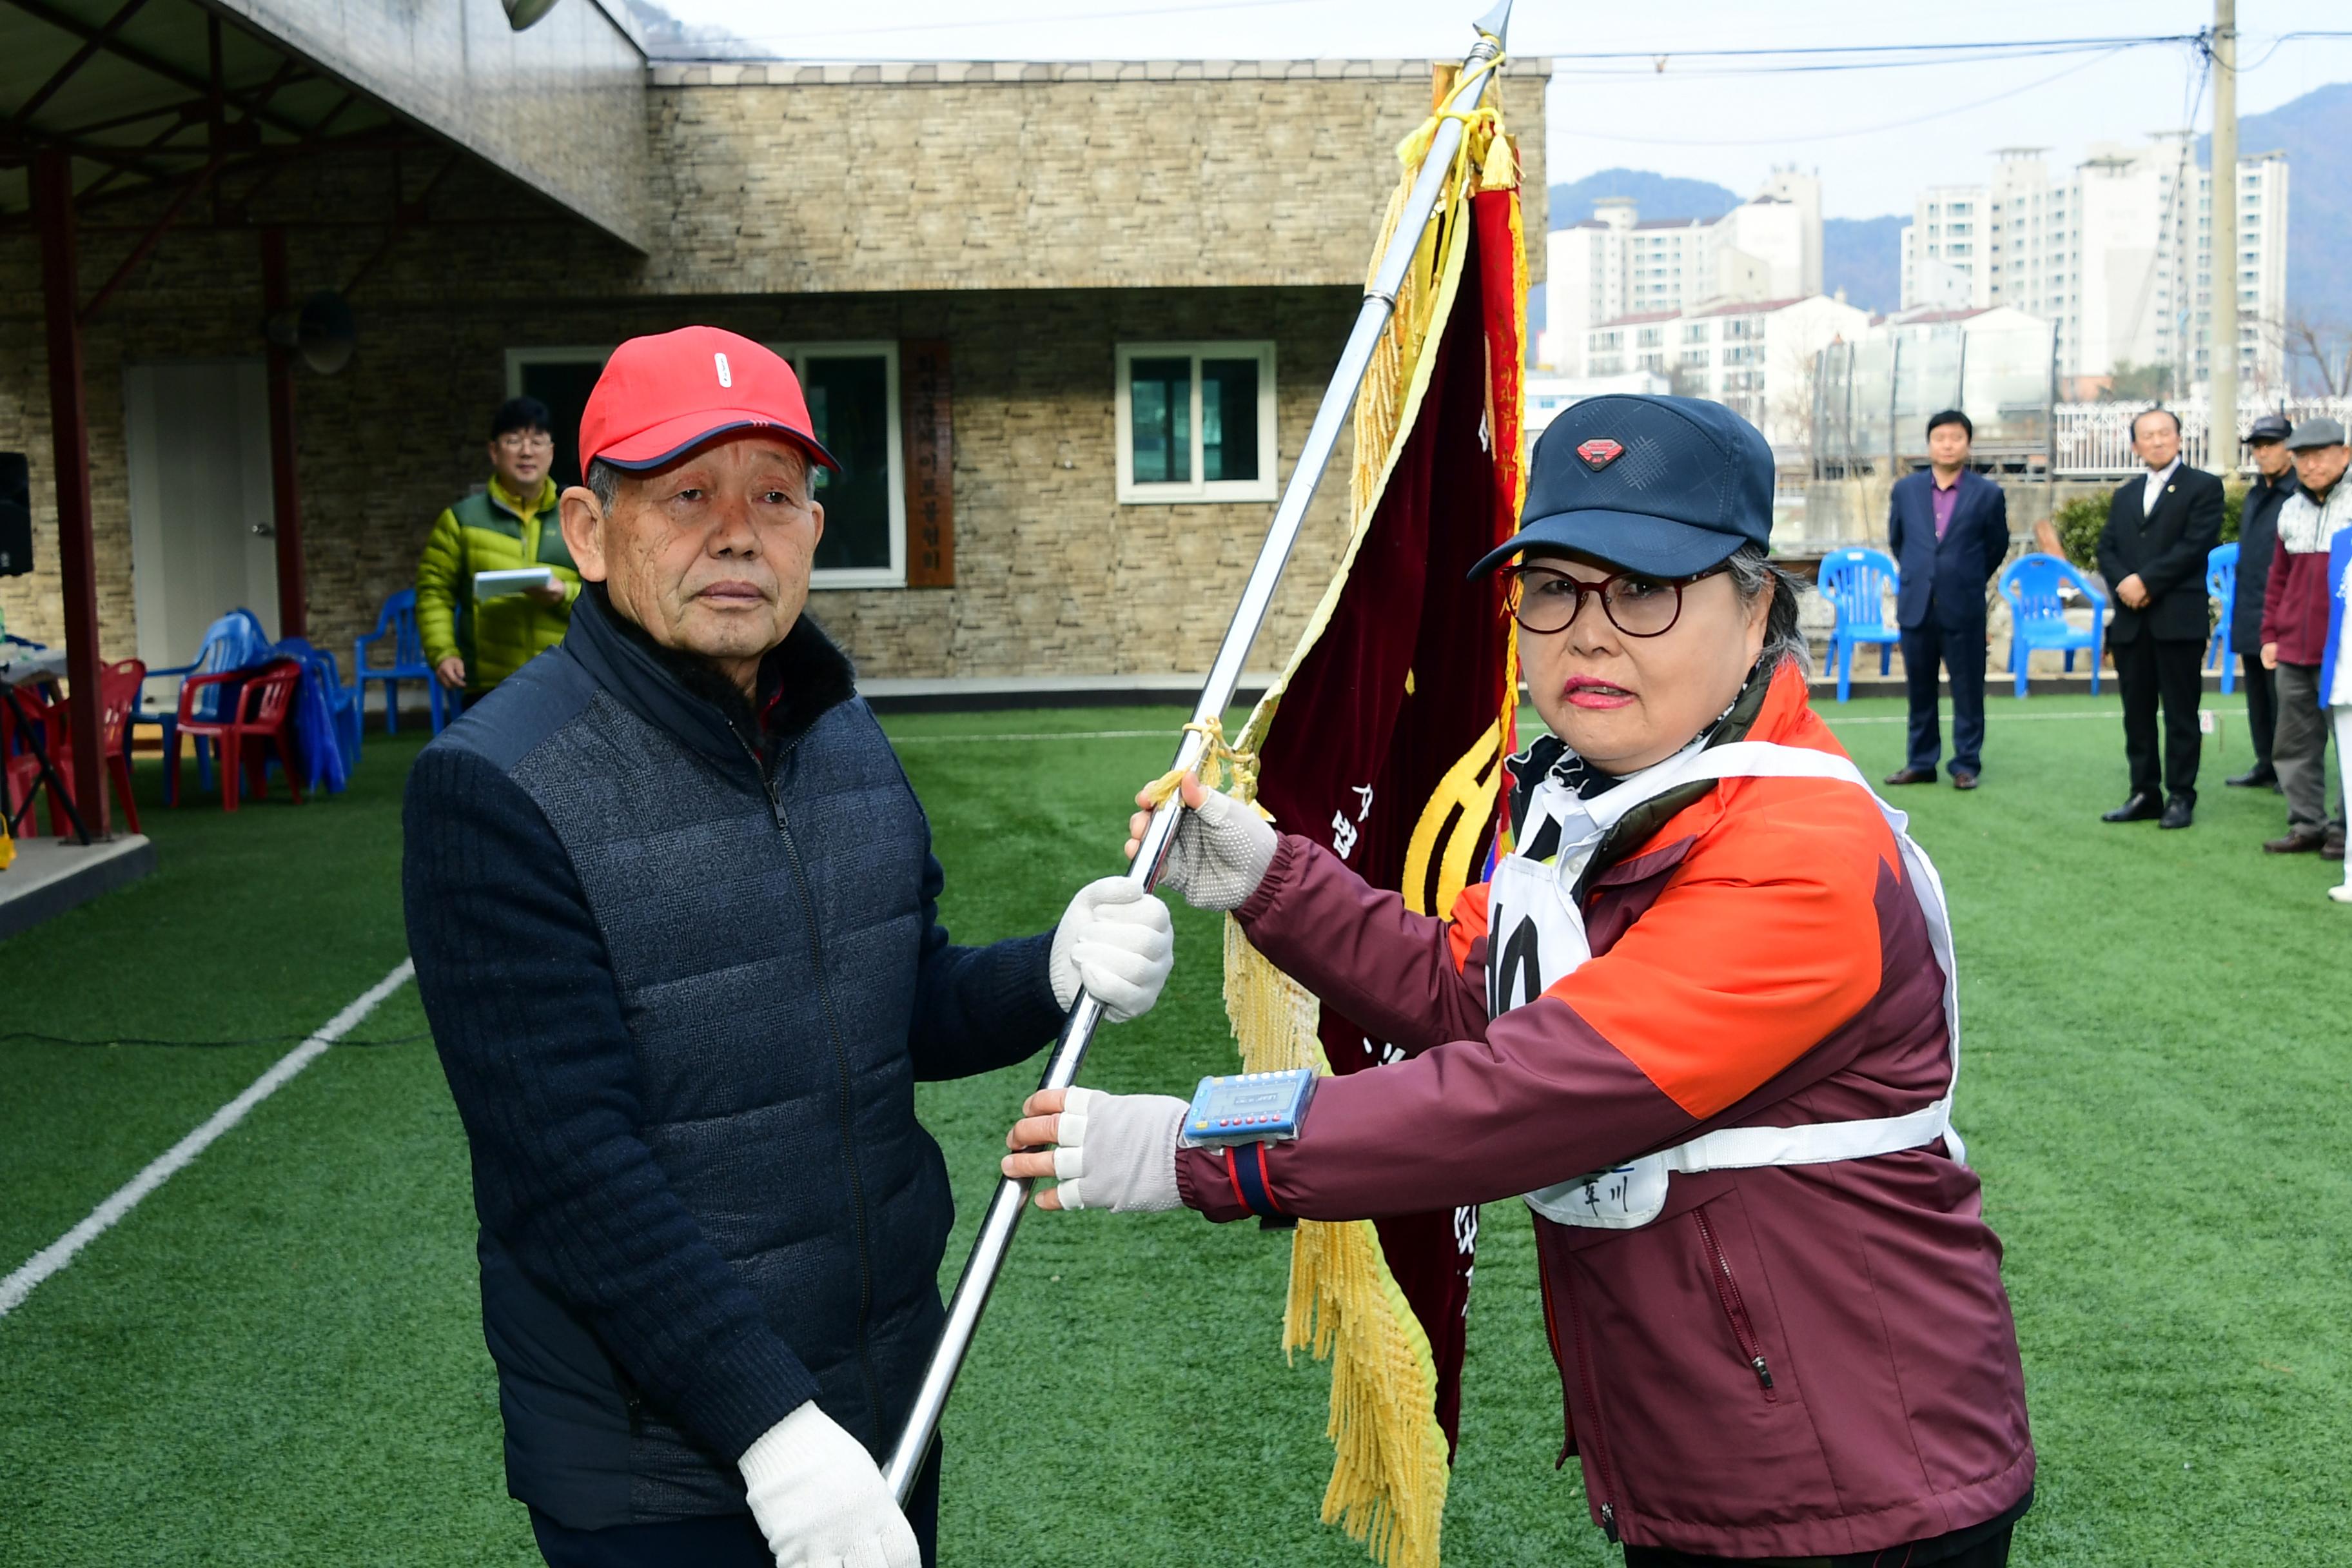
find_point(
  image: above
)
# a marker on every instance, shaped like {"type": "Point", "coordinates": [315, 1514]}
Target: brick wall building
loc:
{"type": "Point", "coordinates": [1068, 233]}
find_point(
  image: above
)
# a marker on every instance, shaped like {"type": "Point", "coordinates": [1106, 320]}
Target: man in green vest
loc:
{"type": "Point", "coordinates": [475, 640]}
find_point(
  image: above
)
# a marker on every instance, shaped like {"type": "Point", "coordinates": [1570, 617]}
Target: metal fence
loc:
{"type": "Point", "coordinates": [2093, 441]}
{"type": "Point", "coordinates": [1872, 399]}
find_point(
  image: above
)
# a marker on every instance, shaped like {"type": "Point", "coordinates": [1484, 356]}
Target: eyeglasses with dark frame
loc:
{"type": "Point", "coordinates": [526, 441]}
{"type": "Point", "coordinates": [1544, 600]}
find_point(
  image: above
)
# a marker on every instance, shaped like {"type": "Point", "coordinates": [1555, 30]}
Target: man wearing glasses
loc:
{"type": "Point", "coordinates": [476, 634]}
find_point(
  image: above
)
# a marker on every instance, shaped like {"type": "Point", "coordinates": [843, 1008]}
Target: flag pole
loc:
{"type": "Point", "coordinates": [1004, 1214]}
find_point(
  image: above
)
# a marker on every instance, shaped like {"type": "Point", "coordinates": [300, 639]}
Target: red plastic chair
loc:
{"type": "Point", "coordinates": [20, 770]}
{"type": "Point", "coordinates": [118, 686]}
{"type": "Point", "coordinates": [264, 715]}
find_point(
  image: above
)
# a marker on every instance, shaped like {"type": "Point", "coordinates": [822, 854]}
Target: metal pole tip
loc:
{"type": "Point", "coordinates": [1497, 23]}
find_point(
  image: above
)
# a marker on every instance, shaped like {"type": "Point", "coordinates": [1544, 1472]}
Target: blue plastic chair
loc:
{"type": "Point", "coordinates": [2037, 614]}
{"type": "Point", "coordinates": [1857, 583]}
{"type": "Point", "coordinates": [327, 719]}
{"type": "Point", "coordinates": [2221, 583]}
{"type": "Point", "coordinates": [398, 621]}
{"type": "Point", "coordinates": [232, 642]}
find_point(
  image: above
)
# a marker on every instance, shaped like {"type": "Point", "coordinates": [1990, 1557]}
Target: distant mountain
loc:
{"type": "Point", "coordinates": [1655, 195]}
{"type": "Point", "coordinates": [2314, 132]}
{"type": "Point", "coordinates": [1863, 256]}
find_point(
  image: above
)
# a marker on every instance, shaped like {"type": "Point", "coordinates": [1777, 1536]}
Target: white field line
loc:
{"type": "Point", "coordinates": [60, 1252]}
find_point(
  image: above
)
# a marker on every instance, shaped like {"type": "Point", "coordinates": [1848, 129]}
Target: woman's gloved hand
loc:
{"type": "Point", "coordinates": [820, 1499]}
{"type": "Point", "coordinates": [1117, 942]}
{"type": "Point", "coordinates": [1222, 849]}
{"type": "Point", "coordinates": [1111, 1151]}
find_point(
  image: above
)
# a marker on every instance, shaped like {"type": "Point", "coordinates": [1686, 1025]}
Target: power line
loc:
{"type": "Point", "coordinates": [1856, 131]}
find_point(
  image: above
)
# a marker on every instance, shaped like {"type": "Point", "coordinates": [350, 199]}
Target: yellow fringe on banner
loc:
{"type": "Point", "coordinates": [1390, 1464]}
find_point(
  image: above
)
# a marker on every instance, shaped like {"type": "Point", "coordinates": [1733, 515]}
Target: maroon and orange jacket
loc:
{"type": "Point", "coordinates": [1789, 1361]}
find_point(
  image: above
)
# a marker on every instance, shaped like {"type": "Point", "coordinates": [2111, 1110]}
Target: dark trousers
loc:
{"type": "Point", "coordinates": [2155, 673]}
{"type": "Point", "coordinates": [2300, 751]}
{"type": "Point", "coordinates": [2262, 705]}
{"type": "Point", "coordinates": [1961, 652]}
{"type": "Point", "coordinates": [718, 1540]}
{"type": "Point", "coordinates": [1990, 1552]}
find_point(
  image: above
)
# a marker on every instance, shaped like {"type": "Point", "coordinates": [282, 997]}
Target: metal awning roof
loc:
{"type": "Point", "coordinates": [148, 91]}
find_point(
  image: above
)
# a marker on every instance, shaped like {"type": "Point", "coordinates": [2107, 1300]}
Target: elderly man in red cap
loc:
{"type": "Point", "coordinates": [674, 913]}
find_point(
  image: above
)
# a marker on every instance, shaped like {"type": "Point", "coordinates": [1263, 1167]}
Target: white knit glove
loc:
{"type": "Point", "coordinates": [1118, 1151]}
{"type": "Point", "coordinates": [1116, 943]}
{"type": "Point", "coordinates": [820, 1499]}
{"type": "Point", "coordinates": [1223, 851]}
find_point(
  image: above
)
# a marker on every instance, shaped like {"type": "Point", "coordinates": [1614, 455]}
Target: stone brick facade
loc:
{"type": "Point", "coordinates": [1053, 576]}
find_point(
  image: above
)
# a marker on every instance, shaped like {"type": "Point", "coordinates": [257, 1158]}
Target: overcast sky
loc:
{"type": "Point", "coordinates": [1874, 136]}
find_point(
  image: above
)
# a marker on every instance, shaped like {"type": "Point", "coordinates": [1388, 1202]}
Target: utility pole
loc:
{"type": "Point", "coordinates": [2221, 249]}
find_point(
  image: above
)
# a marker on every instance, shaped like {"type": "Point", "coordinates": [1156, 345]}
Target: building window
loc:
{"type": "Point", "coordinates": [1650, 338]}
{"type": "Point", "coordinates": [562, 378]}
{"type": "Point", "coordinates": [1696, 332]}
{"type": "Point", "coordinates": [1696, 359]}
{"type": "Point", "coordinates": [853, 398]}
{"type": "Point", "coordinates": [1195, 422]}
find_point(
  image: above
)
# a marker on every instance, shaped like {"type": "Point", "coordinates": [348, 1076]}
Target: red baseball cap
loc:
{"type": "Point", "coordinates": [662, 396]}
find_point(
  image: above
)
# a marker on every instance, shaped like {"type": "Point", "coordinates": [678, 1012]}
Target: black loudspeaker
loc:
{"type": "Point", "coordinates": [16, 515]}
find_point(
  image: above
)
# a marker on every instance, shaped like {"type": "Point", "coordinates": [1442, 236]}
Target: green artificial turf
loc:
{"type": "Point", "coordinates": [276, 1357]}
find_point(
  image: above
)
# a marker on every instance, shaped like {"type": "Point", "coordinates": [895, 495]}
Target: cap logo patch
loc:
{"type": "Point", "coordinates": [726, 377]}
{"type": "Point", "coordinates": [1600, 452]}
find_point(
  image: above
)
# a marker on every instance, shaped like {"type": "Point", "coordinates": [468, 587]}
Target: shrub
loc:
{"type": "Point", "coordinates": [2078, 522]}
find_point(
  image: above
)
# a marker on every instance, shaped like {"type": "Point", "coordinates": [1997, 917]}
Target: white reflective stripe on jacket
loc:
{"type": "Point", "coordinates": [1536, 936]}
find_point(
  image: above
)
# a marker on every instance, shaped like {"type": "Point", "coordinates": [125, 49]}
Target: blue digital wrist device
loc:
{"type": "Point", "coordinates": [1249, 1108]}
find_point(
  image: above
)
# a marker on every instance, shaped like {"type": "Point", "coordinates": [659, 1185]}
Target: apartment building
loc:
{"type": "Point", "coordinates": [1616, 263]}
{"type": "Point", "coordinates": [2118, 253]}
{"type": "Point", "coordinates": [1754, 356]}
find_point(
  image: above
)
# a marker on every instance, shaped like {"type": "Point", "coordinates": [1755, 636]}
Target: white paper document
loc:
{"type": "Point", "coordinates": [499, 585]}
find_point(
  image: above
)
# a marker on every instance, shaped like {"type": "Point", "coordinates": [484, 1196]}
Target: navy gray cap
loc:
{"type": "Point", "coordinates": [2269, 428]}
{"type": "Point", "coordinates": [2316, 431]}
{"type": "Point", "coordinates": [1666, 487]}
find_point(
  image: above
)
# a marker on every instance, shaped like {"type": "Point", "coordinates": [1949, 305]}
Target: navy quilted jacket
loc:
{"type": "Point", "coordinates": [684, 967]}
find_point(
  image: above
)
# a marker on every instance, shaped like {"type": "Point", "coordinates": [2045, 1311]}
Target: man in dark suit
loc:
{"type": "Point", "coordinates": [2160, 527]}
{"type": "Point", "coordinates": [2257, 539]}
{"type": "Point", "coordinates": [1949, 527]}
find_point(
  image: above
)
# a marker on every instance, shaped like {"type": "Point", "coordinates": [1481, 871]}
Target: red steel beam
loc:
{"type": "Point", "coordinates": [52, 185]}
{"type": "Point", "coordinates": [285, 500]}
{"type": "Point", "coordinates": [152, 237]}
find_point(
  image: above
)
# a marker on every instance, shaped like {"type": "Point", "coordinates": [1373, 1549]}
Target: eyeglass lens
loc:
{"type": "Point", "coordinates": [1548, 601]}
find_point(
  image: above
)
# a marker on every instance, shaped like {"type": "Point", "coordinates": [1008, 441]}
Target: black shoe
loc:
{"type": "Point", "coordinates": [1963, 780]}
{"type": "Point", "coordinates": [2332, 847]}
{"type": "Point", "coordinates": [2261, 774]}
{"type": "Point", "coordinates": [2141, 808]}
{"type": "Point", "coordinates": [1912, 775]}
{"type": "Point", "coordinates": [2178, 812]}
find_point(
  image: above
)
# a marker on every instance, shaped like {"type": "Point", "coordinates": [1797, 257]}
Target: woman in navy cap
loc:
{"type": "Point", "coordinates": [1703, 1020]}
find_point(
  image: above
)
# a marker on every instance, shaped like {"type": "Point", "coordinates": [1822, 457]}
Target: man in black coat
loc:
{"type": "Point", "coordinates": [2257, 537]}
{"type": "Point", "coordinates": [1949, 527]}
{"type": "Point", "coordinates": [2160, 528]}
{"type": "Point", "coordinates": [675, 924]}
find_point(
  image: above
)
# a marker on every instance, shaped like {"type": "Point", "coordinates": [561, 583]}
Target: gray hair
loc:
{"type": "Point", "coordinates": [604, 481]}
{"type": "Point", "coordinates": [1752, 573]}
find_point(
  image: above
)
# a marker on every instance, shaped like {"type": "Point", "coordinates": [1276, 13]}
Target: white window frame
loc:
{"type": "Point", "coordinates": [1265, 487]}
{"type": "Point", "coordinates": [894, 576]}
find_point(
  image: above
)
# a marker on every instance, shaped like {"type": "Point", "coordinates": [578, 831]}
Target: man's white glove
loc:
{"type": "Point", "coordinates": [1118, 1151]}
{"type": "Point", "coordinates": [1223, 851]}
{"type": "Point", "coordinates": [820, 1499]}
{"type": "Point", "coordinates": [1116, 943]}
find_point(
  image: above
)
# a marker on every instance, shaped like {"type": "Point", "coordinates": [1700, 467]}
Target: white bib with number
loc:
{"type": "Point", "coordinates": [1535, 936]}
